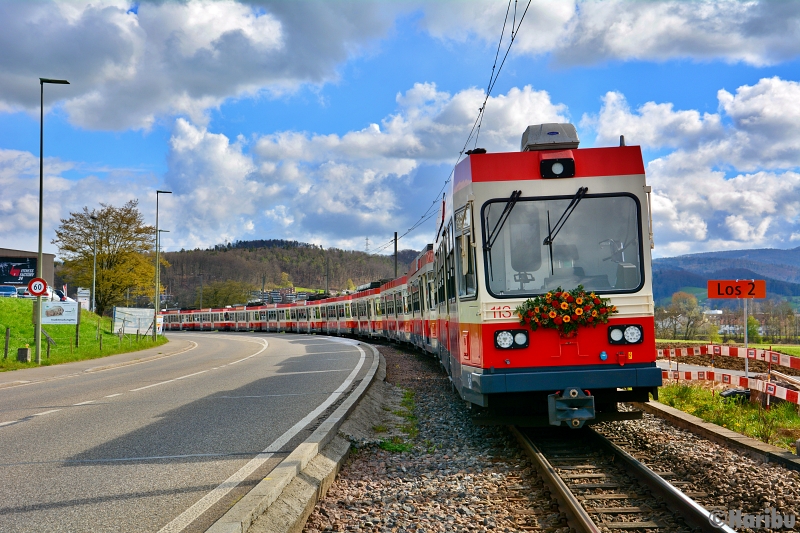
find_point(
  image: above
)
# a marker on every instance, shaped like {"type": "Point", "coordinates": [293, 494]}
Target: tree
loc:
{"type": "Point", "coordinates": [350, 285]}
{"type": "Point", "coordinates": [752, 329]}
{"type": "Point", "coordinates": [221, 293]}
{"type": "Point", "coordinates": [124, 243]}
{"type": "Point", "coordinates": [685, 305]}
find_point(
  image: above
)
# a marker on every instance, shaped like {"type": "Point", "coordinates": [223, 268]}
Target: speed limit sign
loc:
{"type": "Point", "coordinates": [37, 287]}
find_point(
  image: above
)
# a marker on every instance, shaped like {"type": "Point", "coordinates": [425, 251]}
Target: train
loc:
{"type": "Point", "coordinates": [535, 296]}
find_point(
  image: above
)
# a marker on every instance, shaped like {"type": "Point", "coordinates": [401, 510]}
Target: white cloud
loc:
{"type": "Point", "coordinates": [129, 68]}
{"type": "Point", "coordinates": [592, 31]}
{"type": "Point", "coordinates": [731, 180]}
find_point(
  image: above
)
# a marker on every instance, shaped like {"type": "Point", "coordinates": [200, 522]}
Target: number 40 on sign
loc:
{"type": "Point", "coordinates": [740, 288]}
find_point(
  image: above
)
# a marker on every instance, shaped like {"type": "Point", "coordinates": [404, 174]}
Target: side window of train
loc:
{"type": "Point", "coordinates": [347, 310]}
{"type": "Point", "coordinates": [465, 254]}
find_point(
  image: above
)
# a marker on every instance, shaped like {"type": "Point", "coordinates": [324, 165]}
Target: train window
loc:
{"type": "Point", "coordinates": [347, 310]}
{"type": "Point", "coordinates": [465, 253]}
{"type": "Point", "coordinates": [603, 257]}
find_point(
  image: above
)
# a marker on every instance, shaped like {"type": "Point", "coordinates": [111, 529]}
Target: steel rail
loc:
{"type": "Point", "coordinates": [691, 511]}
{"type": "Point", "coordinates": [576, 514]}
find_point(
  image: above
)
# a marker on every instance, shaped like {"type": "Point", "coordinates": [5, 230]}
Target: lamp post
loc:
{"type": "Point", "coordinates": [157, 300]}
{"type": "Point", "coordinates": [94, 265]}
{"type": "Point", "coordinates": [158, 244]}
{"type": "Point", "coordinates": [39, 266]}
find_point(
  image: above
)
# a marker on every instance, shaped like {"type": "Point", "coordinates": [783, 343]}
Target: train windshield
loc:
{"type": "Point", "coordinates": [597, 245]}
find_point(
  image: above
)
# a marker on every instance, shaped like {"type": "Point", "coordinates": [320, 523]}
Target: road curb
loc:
{"type": "Point", "coordinates": [752, 447]}
{"type": "Point", "coordinates": [302, 477]}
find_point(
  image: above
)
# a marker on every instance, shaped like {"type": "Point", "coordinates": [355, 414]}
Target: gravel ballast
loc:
{"type": "Point", "coordinates": [457, 476]}
{"type": "Point", "coordinates": [466, 478]}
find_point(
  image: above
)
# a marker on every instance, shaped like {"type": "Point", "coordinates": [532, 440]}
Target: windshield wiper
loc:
{"type": "Point", "coordinates": [492, 237]}
{"type": "Point", "coordinates": [553, 232]}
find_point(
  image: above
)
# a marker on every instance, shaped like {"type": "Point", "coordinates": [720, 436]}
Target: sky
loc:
{"type": "Point", "coordinates": [338, 122]}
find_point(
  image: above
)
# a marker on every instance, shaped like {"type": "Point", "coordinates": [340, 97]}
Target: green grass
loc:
{"type": "Point", "coordinates": [409, 428]}
{"type": "Point", "coordinates": [779, 426]}
{"type": "Point", "coordinates": [17, 314]}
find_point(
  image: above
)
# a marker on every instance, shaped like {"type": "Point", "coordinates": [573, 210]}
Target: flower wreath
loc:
{"type": "Point", "coordinates": [565, 311]}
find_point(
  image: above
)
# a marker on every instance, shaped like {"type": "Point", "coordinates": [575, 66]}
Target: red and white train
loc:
{"type": "Point", "coordinates": [513, 226]}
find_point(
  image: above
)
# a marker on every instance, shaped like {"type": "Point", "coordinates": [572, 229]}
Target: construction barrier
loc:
{"type": "Point", "coordinates": [766, 387]}
{"type": "Point", "coordinates": [714, 350]}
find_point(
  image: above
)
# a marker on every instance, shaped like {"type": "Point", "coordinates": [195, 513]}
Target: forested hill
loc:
{"type": "Point", "coordinates": [781, 265]}
{"type": "Point", "coordinates": [271, 263]}
{"type": "Point", "coordinates": [780, 269]}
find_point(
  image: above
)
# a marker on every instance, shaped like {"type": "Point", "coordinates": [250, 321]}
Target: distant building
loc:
{"type": "Point", "coordinates": [18, 267]}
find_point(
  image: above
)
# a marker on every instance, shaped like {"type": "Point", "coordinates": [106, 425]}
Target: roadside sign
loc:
{"type": "Point", "coordinates": [60, 313]}
{"type": "Point", "coordinates": [37, 287]}
{"type": "Point", "coordinates": [740, 288]}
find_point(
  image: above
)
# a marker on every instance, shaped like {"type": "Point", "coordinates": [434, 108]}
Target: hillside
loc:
{"type": "Point", "coordinates": [781, 265]}
{"type": "Point", "coordinates": [780, 269]}
{"type": "Point", "coordinates": [262, 263]}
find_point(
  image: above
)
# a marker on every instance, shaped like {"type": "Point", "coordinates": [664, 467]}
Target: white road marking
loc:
{"type": "Point", "coordinates": [46, 412]}
{"type": "Point", "coordinates": [8, 423]}
{"type": "Point", "coordinates": [190, 375]}
{"type": "Point", "coordinates": [113, 395]}
{"type": "Point", "coordinates": [264, 346]}
{"type": "Point", "coordinates": [307, 372]}
{"type": "Point", "coordinates": [153, 385]}
{"type": "Point", "coordinates": [84, 403]}
{"type": "Point", "coordinates": [190, 514]}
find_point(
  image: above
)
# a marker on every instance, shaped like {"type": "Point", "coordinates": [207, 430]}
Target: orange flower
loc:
{"type": "Point", "coordinates": [548, 295]}
{"type": "Point", "coordinates": [579, 301]}
{"type": "Point", "coordinates": [536, 310]}
{"type": "Point", "coordinates": [579, 311]}
{"type": "Point", "coordinates": [564, 305]}
{"type": "Point", "coordinates": [566, 318]}
{"type": "Point", "coordinates": [594, 312]}
{"type": "Point", "coordinates": [553, 314]}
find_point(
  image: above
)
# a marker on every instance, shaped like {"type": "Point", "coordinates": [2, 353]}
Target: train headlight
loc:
{"type": "Point", "coordinates": [521, 338]}
{"type": "Point", "coordinates": [557, 164]}
{"type": "Point", "coordinates": [511, 339]}
{"type": "Point", "coordinates": [504, 339]}
{"type": "Point", "coordinates": [625, 334]}
{"type": "Point", "coordinates": [633, 334]}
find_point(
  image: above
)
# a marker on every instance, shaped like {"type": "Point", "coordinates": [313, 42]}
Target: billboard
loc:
{"type": "Point", "coordinates": [17, 270]}
{"type": "Point", "coordinates": [59, 313]}
{"type": "Point", "coordinates": [133, 319]}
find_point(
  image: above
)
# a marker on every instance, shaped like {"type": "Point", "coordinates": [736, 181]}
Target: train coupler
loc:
{"type": "Point", "coordinates": [573, 407]}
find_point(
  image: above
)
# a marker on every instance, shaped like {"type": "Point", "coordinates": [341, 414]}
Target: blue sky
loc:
{"type": "Point", "coordinates": [333, 122]}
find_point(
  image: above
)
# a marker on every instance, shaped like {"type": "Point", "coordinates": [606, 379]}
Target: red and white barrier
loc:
{"type": "Point", "coordinates": [766, 387]}
{"type": "Point", "coordinates": [775, 358]}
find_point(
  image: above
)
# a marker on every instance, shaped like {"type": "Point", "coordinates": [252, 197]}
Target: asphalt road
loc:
{"type": "Point", "coordinates": [166, 444]}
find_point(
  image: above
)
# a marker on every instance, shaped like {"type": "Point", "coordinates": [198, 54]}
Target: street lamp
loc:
{"type": "Point", "coordinates": [39, 266]}
{"type": "Point", "coordinates": [94, 266]}
{"type": "Point", "coordinates": [158, 246]}
{"type": "Point", "coordinates": [157, 300]}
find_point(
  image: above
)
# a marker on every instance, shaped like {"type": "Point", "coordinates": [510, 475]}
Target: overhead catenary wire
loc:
{"type": "Point", "coordinates": [476, 125]}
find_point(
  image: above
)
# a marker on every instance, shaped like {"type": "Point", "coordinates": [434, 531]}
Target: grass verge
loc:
{"type": "Point", "coordinates": [409, 428]}
{"type": "Point", "coordinates": [779, 426]}
{"type": "Point", "coordinates": [17, 314]}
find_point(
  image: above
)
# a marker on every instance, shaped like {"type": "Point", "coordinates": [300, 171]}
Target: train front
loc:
{"type": "Point", "coordinates": [561, 322]}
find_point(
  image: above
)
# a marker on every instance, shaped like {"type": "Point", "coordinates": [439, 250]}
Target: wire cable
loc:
{"type": "Point", "coordinates": [476, 125]}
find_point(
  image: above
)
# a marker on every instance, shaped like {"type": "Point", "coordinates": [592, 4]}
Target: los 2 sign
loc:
{"type": "Point", "coordinates": [740, 288]}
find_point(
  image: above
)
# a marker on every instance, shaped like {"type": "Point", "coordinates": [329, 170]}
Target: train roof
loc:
{"type": "Point", "coordinates": [515, 166]}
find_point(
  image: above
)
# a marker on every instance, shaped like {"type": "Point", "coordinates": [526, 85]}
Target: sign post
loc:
{"type": "Point", "coordinates": [745, 289]}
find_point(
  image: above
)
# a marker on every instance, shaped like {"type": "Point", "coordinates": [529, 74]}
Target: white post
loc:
{"type": "Point", "coordinates": [746, 359]}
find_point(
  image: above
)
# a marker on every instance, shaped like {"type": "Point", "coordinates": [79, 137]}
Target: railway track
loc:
{"type": "Point", "coordinates": [603, 488]}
